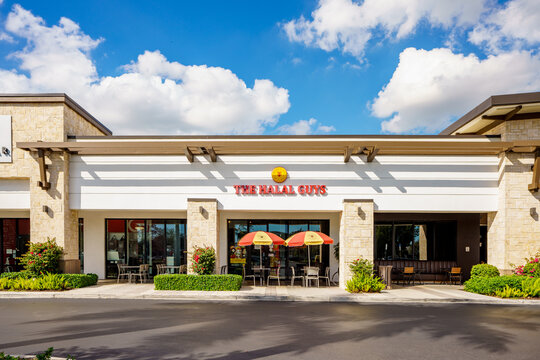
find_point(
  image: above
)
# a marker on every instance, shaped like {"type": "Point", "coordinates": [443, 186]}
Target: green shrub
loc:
{"type": "Point", "coordinates": [510, 292]}
{"type": "Point", "coordinates": [75, 281]}
{"type": "Point", "coordinates": [489, 285]}
{"type": "Point", "coordinates": [361, 267]}
{"type": "Point", "coordinates": [364, 283]}
{"type": "Point", "coordinates": [42, 258]}
{"type": "Point", "coordinates": [23, 281]}
{"type": "Point", "coordinates": [198, 282]}
{"type": "Point", "coordinates": [531, 287]}
{"type": "Point", "coordinates": [203, 260]}
{"type": "Point", "coordinates": [15, 275]}
{"type": "Point", "coordinates": [484, 270]}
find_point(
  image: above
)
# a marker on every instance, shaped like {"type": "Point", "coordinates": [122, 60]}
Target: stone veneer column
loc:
{"type": "Point", "coordinates": [202, 226]}
{"type": "Point", "coordinates": [59, 221]}
{"type": "Point", "coordinates": [514, 230]}
{"type": "Point", "coordinates": [355, 235]}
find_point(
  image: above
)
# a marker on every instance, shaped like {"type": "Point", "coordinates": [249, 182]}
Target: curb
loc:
{"type": "Point", "coordinates": [271, 298]}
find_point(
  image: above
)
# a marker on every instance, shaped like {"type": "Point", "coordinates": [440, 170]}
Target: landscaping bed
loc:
{"type": "Point", "coordinates": [524, 283]}
{"type": "Point", "coordinates": [24, 281]}
{"type": "Point", "coordinates": [198, 282]}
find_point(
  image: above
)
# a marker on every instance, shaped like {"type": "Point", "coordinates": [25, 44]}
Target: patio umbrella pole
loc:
{"type": "Point", "coordinates": [308, 256]}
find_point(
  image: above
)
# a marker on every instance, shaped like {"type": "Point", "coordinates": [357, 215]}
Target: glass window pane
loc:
{"type": "Point", "coordinates": [135, 242]}
{"type": "Point", "coordinates": [237, 254]}
{"type": "Point", "coordinates": [116, 246]}
{"type": "Point", "coordinates": [277, 253]}
{"type": "Point", "coordinates": [176, 242]}
{"type": "Point", "coordinates": [156, 244]}
{"type": "Point", "coordinates": [404, 241]}
{"type": "Point", "coordinates": [383, 241]}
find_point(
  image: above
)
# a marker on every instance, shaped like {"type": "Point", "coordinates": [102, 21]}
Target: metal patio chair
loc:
{"type": "Point", "coordinates": [455, 274]}
{"type": "Point", "coordinates": [273, 274]}
{"type": "Point", "coordinates": [312, 273]}
{"type": "Point", "coordinates": [326, 276]}
{"type": "Point", "coordinates": [122, 272]}
{"type": "Point", "coordinates": [409, 274]}
{"type": "Point", "coordinates": [143, 272]}
{"type": "Point", "coordinates": [224, 270]}
{"type": "Point", "coordinates": [244, 275]}
{"type": "Point", "coordinates": [294, 276]}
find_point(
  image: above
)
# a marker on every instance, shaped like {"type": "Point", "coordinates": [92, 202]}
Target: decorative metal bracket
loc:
{"type": "Point", "coordinates": [43, 183]}
{"type": "Point", "coordinates": [535, 185]}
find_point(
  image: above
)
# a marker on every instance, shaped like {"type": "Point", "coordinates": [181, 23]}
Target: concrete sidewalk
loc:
{"type": "Point", "coordinates": [407, 294]}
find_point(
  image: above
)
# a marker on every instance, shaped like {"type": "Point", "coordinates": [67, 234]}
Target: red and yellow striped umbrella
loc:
{"type": "Point", "coordinates": [308, 238]}
{"type": "Point", "coordinates": [260, 238]}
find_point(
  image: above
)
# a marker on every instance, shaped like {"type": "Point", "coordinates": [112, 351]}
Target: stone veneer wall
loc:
{"type": "Point", "coordinates": [47, 122]}
{"type": "Point", "coordinates": [513, 233]}
{"type": "Point", "coordinates": [356, 235]}
{"type": "Point", "coordinates": [202, 227]}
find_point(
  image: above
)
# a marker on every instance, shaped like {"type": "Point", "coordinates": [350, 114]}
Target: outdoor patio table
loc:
{"type": "Point", "coordinates": [261, 271]}
{"type": "Point", "coordinates": [131, 269]}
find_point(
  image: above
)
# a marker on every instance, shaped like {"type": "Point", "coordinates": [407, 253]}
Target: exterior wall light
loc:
{"type": "Point", "coordinates": [534, 214]}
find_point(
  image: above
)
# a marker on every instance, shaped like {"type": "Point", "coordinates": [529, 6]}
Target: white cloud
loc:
{"type": "Point", "coordinates": [152, 95]}
{"type": "Point", "coordinates": [430, 88]}
{"type": "Point", "coordinates": [305, 127]}
{"type": "Point", "coordinates": [513, 26]}
{"type": "Point", "coordinates": [349, 25]}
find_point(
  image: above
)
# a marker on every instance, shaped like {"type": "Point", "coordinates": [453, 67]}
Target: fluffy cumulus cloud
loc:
{"type": "Point", "coordinates": [430, 88]}
{"type": "Point", "coordinates": [514, 25]}
{"type": "Point", "coordinates": [151, 95]}
{"type": "Point", "coordinates": [349, 25]}
{"type": "Point", "coordinates": [305, 127]}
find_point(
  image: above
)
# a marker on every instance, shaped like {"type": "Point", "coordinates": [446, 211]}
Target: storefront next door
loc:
{"type": "Point", "coordinates": [144, 241]}
{"type": "Point", "coordinates": [14, 239]}
{"type": "Point", "coordinates": [274, 256]}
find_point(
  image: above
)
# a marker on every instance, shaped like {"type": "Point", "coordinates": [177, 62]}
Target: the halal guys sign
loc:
{"type": "Point", "coordinates": [279, 175]}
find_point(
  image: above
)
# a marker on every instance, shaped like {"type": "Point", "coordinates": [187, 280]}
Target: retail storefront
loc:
{"type": "Point", "coordinates": [468, 194]}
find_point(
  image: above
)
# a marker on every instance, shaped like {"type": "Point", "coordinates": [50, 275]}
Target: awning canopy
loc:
{"type": "Point", "coordinates": [268, 145]}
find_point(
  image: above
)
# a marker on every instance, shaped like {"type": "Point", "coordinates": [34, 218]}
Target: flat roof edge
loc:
{"type": "Point", "coordinates": [284, 137]}
{"type": "Point", "coordinates": [56, 98]}
{"type": "Point", "coordinates": [495, 100]}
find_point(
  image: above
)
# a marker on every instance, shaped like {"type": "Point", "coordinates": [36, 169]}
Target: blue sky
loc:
{"type": "Point", "coordinates": [329, 66]}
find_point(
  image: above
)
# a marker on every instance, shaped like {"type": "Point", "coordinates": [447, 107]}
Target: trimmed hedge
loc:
{"type": "Point", "coordinates": [76, 281]}
{"type": "Point", "coordinates": [490, 285]}
{"type": "Point", "coordinates": [484, 270]}
{"type": "Point", "coordinates": [198, 282]}
{"type": "Point", "coordinates": [15, 281]}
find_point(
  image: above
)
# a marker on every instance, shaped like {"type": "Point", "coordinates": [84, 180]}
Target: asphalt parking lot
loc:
{"type": "Point", "coordinates": [152, 329]}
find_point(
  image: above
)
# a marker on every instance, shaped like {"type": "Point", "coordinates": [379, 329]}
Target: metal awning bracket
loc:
{"type": "Point", "coordinates": [43, 183]}
{"type": "Point", "coordinates": [535, 184]}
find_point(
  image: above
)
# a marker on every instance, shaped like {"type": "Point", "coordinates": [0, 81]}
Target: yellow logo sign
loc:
{"type": "Point", "coordinates": [279, 174]}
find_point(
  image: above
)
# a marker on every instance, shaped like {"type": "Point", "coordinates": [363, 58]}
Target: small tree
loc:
{"type": "Point", "coordinates": [203, 261]}
{"type": "Point", "coordinates": [42, 258]}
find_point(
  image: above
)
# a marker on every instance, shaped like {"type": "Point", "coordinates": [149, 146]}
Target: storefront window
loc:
{"type": "Point", "coordinates": [273, 256]}
{"type": "Point", "coordinates": [410, 241]}
{"type": "Point", "coordinates": [14, 239]}
{"type": "Point", "coordinates": [137, 242]}
{"type": "Point", "coordinates": [383, 241]}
